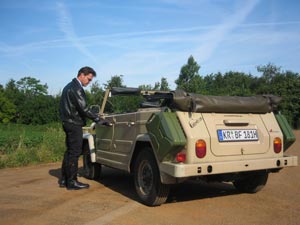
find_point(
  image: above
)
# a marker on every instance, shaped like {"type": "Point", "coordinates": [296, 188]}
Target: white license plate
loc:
{"type": "Point", "coordinates": [237, 135]}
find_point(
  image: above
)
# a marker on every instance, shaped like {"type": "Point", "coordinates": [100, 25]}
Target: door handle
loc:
{"type": "Point", "coordinates": [131, 124]}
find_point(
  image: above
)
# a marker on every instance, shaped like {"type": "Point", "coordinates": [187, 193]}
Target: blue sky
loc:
{"type": "Point", "coordinates": [144, 40]}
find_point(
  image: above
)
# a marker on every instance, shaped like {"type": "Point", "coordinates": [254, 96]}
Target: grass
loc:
{"type": "Point", "coordinates": [22, 145]}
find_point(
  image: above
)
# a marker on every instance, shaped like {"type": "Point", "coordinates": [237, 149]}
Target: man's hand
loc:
{"type": "Point", "coordinates": [104, 122]}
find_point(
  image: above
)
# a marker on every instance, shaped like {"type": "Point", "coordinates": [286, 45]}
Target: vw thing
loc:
{"type": "Point", "coordinates": [175, 136]}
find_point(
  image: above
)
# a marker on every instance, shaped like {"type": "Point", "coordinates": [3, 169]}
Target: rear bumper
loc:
{"type": "Point", "coordinates": [181, 170]}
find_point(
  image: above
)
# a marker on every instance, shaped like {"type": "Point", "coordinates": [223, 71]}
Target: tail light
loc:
{"type": "Point", "coordinates": [200, 148]}
{"type": "Point", "coordinates": [180, 157]}
{"type": "Point", "coordinates": [277, 145]}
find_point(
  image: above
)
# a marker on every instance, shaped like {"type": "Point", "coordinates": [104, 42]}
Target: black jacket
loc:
{"type": "Point", "coordinates": [73, 107]}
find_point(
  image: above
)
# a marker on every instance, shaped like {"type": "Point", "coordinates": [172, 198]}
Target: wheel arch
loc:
{"type": "Point", "coordinates": [145, 142]}
{"type": "Point", "coordinates": [139, 146]}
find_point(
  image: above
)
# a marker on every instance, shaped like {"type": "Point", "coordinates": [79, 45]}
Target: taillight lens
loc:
{"type": "Point", "coordinates": [180, 157]}
{"type": "Point", "coordinates": [200, 148]}
{"type": "Point", "coordinates": [277, 145]}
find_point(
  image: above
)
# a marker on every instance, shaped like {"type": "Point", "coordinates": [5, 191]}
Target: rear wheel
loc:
{"type": "Point", "coordinates": [251, 182]}
{"type": "Point", "coordinates": [147, 179]}
{"type": "Point", "coordinates": [91, 170]}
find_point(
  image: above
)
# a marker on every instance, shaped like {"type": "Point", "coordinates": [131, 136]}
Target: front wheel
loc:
{"type": "Point", "coordinates": [147, 179]}
{"type": "Point", "coordinates": [91, 170]}
{"type": "Point", "coordinates": [251, 182]}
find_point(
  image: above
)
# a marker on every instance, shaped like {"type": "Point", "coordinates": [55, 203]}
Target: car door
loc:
{"type": "Point", "coordinates": [115, 143]}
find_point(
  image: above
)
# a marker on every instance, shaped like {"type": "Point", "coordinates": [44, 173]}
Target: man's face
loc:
{"type": "Point", "coordinates": [85, 80]}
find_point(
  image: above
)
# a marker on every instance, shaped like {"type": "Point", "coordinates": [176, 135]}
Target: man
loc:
{"type": "Point", "coordinates": [73, 113]}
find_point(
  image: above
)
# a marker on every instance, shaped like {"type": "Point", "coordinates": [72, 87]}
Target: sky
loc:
{"type": "Point", "coordinates": [144, 40]}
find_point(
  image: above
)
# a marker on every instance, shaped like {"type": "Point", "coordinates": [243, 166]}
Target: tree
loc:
{"type": "Point", "coordinates": [268, 71]}
{"type": "Point", "coordinates": [164, 85]}
{"type": "Point", "coordinates": [41, 109]}
{"type": "Point", "coordinates": [188, 71]}
{"type": "Point", "coordinates": [189, 78]}
{"type": "Point", "coordinates": [96, 94]}
{"type": "Point", "coordinates": [31, 86]}
{"type": "Point", "coordinates": [149, 87]}
{"type": "Point", "coordinates": [115, 81]}
{"type": "Point", "coordinates": [263, 84]}
{"type": "Point", "coordinates": [285, 84]}
{"type": "Point", "coordinates": [7, 109]}
{"type": "Point", "coordinates": [158, 86]}
{"type": "Point", "coordinates": [118, 104]}
{"type": "Point", "coordinates": [31, 104]}
{"type": "Point", "coordinates": [12, 92]}
{"type": "Point", "coordinates": [231, 84]}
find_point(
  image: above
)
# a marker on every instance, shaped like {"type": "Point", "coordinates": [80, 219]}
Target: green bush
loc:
{"type": "Point", "coordinates": [22, 145]}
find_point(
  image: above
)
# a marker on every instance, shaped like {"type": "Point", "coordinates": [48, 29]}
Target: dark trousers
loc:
{"type": "Point", "coordinates": [74, 148]}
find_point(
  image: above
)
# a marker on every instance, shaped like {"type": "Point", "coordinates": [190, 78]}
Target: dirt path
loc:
{"type": "Point", "coordinates": [31, 196]}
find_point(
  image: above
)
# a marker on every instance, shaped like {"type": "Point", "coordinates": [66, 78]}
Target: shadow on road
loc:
{"type": "Point", "coordinates": [113, 179]}
{"type": "Point", "coordinates": [123, 183]}
{"type": "Point", "coordinates": [118, 181]}
{"type": "Point", "coordinates": [56, 173]}
{"type": "Point", "coordinates": [195, 190]}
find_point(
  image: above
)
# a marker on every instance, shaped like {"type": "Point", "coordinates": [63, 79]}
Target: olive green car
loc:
{"type": "Point", "coordinates": [175, 136]}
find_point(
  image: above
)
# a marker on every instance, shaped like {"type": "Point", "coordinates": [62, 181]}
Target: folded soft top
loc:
{"type": "Point", "coordinates": [224, 104]}
{"type": "Point", "coordinates": [190, 102]}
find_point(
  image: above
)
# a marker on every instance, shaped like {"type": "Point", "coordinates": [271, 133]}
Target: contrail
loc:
{"type": "Point", "coordinates": [217, 35]}
{"type": "Point", "coordinates": [66, 26]}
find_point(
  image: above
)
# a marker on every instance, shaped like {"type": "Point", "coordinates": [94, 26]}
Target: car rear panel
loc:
{"type": "Point", "coordinates": [208, 126]}
{"type": "Point", "coordinates": [236, 134]}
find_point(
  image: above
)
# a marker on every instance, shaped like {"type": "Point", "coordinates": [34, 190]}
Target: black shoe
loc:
{"type": "Point", "coordinates": [76, 185]}
{"type": "Point", "coordinates": [62, 182]}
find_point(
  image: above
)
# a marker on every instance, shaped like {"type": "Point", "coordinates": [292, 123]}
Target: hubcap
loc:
{"type": "Point", "coordinates": [145, 178]}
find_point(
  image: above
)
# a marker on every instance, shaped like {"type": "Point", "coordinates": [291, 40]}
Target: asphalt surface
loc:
{"type": "Point", "coordinates": [31, 195]}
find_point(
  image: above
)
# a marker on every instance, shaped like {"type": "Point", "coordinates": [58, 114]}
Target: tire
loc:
{"type": "Point", "coordinates": [252, 182]}
{"type": "Point", "coordinates": [147, 180]}
{"type": "Point", "coordinates": [91, 170]}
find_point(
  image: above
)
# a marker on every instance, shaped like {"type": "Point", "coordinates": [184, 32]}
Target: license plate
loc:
{"type": "Point", "coordinates": [237, 135]}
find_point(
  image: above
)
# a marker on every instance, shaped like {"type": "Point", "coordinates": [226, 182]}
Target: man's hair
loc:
{"type": "Point", "coordinates": [86, 70]}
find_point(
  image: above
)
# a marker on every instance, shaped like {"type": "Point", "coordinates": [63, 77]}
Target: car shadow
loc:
{"type": "Point", "coordinates": [118, 181]}
{"type": "Point", "coordinates": [123, 183]}
{"type": "Point", "coordinates": [192, 190]}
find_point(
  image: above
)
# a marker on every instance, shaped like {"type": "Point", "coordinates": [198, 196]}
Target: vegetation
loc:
{"type": "Point", "coordinates": [29, 118]}
{"type": "Point", "coordinates": [26, 102]}
{"type": "Point", "coordinates": [22, 145]}
{"type": "Point", "coordinates": [272, 81]}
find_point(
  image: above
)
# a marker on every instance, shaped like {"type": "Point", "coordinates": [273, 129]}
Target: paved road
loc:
{"type": "Point", "coordinates": [31, 196]}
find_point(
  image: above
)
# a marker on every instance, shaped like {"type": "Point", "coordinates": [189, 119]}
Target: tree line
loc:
{"type": "Point", "coordinates": [26, 101]}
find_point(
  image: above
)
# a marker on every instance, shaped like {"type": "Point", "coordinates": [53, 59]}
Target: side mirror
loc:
{"type": "Point", "coordinates": [95, 109]}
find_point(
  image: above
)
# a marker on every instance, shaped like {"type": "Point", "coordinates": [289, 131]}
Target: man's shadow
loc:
{"type": "Point", "coordinates": [56, 173]}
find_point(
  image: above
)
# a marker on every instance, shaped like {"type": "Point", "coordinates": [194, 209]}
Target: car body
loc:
{"type": "Point", "coordinates": [176, 136]}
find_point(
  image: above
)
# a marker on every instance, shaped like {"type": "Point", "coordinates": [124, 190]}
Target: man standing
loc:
{"type": "Point", "coordinates": [73, 113]}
